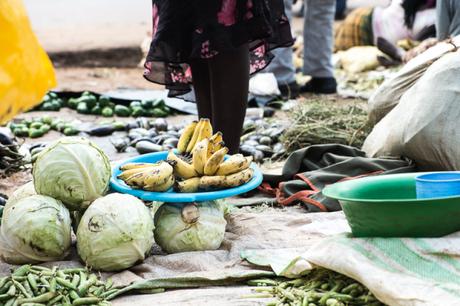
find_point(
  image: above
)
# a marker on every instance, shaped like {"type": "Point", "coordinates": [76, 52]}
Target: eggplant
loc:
{"type": "Point", "coordinates": [265, 140]}
{"type": "Point", "coordinates": [143, 123]}
{"type": "Point", "coordinates": [247, 150]}
{"type": "Point", "coordinates": [171, 142]}
{"type": "Point", "coordinates": [160, 138]}
{"type": "Point", "coordinates": [6, 137]}
{"type": "Point", "coordinates": [2, 201]}
{"type": "Point", "coordinates": [103, 130]}
{"type": "Point", "coordinates": [258, 156]}
{"type": "Point", "coordinates": [255, 137]}
{"type": "Point", "coordinates": [268, 112]}
{"type": "Point", "coordinates": [136, 140]}
{"type": "Point", "coordinates": [251, 143]}
{"type": "Point", "coordinates": [132, 125]}
{"type": "Point", "coordinates": [144, 147]}
{"type": "Point", "coordinates": [265, 149]}
{"type": "Point", "coordinates": [278, 147]}
{"type": "Point", "coordinates": [120, 143]}
{"type": "Point", "coordinates": [160, 124]}
{"type": "Point", "coordinates": [37, 145]}
{"type": "Point", "coordinates": [153, 132]}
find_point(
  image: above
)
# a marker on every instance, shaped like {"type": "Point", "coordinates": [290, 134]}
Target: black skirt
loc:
{"type": "Point", "coordinates": [200, 29]}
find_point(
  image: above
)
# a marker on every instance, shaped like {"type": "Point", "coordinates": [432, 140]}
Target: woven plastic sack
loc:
{"type": "Point", "coordinates": [26, 72]}
{"type": "Point", "coordinates": [388, 95]}
{"type": "Point", "coordinates": [424, 125]}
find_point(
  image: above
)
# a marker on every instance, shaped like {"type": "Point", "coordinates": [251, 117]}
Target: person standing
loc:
{"type": "Point", "coordinates": [214, 45]}
{"type": "Point", "coordinates": [317, 54]}
{"type": "Point", "coordinates": [447, 18]}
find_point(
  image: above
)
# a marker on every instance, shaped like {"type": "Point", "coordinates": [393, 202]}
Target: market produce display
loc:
{"type": "Point", "coordinates": [38, 127]}
{"type": "Point", "coordinates": [73, 170]}
{"type": "Point", "coordinates": [198, 165]}
{"type": "Point", "coordinates": [35, 228]}
{"type": "Point", "coordinates": [319, 287]}
{"type": "Point", "coordinates": [38, 285]}
{"type": "Point", "coordinates": [262, 140]}
{"type": "Point", "coordinates": [191, 227]}
{"type": "Point", "coordinates": [115, 232]}
{"type": "Point", "coordinates": [89, 103]}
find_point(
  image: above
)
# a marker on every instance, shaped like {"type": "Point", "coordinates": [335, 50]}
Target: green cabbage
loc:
{"type": "Point", "coordinates": [115, 232]}
{"type": "Point", "coordinates": [72, 170]}
{"type": "Point", "coordinates": [181, 227]}
{"type": "Point", "coordinates": [24, 191]}
{"type": "Point", "coordinates": [35, 229]}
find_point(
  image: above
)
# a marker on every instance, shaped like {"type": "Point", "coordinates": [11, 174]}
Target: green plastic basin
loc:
{"type": "Point", "coordinates": [386, 206]}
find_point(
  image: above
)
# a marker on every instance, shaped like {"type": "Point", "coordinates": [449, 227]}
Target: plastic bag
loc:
{"type": "Point", "coordinates": [26, 72]}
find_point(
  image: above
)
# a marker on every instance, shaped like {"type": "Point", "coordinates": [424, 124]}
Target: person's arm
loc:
{"type": "Point", "coordinates": [443, 19]}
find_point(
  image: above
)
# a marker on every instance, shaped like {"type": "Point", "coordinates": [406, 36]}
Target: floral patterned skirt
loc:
{"type": "Point", "coordinates": [184, 30]}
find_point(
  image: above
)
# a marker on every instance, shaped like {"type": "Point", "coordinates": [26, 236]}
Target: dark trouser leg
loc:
{"type": "Point", "coordinates": [202, 87]}
{"type": "Point", "coordinates": [229, 75]}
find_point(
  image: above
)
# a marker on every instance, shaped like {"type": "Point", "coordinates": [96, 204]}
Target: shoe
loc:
{"type": "Point", "coordinates": [289, 91]}
{"type": "Point", "coordinates": [320, 86]}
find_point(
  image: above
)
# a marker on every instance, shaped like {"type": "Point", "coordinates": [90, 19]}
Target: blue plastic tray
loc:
{"type": "Point", "coordinates": [171, 196]}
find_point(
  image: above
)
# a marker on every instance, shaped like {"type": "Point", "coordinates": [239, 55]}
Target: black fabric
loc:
{"type": "Point", "coordinates": [184, 30]}
{"type": "Point", "coordinates": [320, 165]}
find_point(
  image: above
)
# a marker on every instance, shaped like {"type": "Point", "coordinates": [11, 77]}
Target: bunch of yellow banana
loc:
{"type": "Point", "coordinates": [157, 177]}
{"type": "Point", "coordinates": [207, 168]}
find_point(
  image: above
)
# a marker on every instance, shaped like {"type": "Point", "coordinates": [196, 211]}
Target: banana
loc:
{"type": "Point", "coordinates": [181, 168]}
{"type": "Point", "coordinates": [190, 185]}
{"type": "Point", "coordinates": [212, 182]}
{"type": "Point", "coordinates": [194, 138]}
{"type": "Point", "coordinates": [206, 129]}
{"type": "Point", "coordinates": [159, 174]}
{"type": "Point", "coordinates": [136, 180]}
{"type": "Point", "coordinates": [214, 143]}
{"type": "Point", "coordinates": [162, 187]}
{"type": "Point", "coordinates": [234, 164]}
{"type": "Point", "coordinates": [186, 137]}
{"type": "Point", "coordinates": [239, 178]}
{"type": "Point", "coordinates": [200, 156]}
{"type": "Point", "coordinates": [214, 161]}
{"type": "Point", "coordinates": [128, 173]}
{"type": "Point", "coordinates": [131, 166]}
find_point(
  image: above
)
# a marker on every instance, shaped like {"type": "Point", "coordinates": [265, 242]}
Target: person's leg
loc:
{"type": "Point", "coordinates": [318, 44]}
{"type": "Point", "coordinates": [229, 74]}
{"type": "Point", "coordinates": [202, 87]}
{"type": "Point", "coordinates": [282, 66]}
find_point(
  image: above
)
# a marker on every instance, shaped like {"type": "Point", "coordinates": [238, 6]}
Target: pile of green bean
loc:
{"type": "Point", "coordinates": [320, 287]}
{"type": "Point", "coordinates": [36, 286]}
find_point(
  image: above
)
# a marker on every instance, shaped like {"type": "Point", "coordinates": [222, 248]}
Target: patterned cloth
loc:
{"type": "Point", "coordinates": [184, 30]}
{"type": "Point", "coordinates": [356, 30]}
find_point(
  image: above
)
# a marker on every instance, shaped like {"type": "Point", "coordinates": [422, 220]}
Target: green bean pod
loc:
{"type": "Point", "coordinates": [53, 284]}
{"type": "Point", "coordinates": [65, 283]}
{"type": "Point", "coordinates": [86, 301]}
{"type": "Point", "coordinates": [43, 298]}
{"type": "Point", "coordinates": [74, 295]}
{"type": "Point", "coordinates": [6, 287]}
{"type": "Point", "coordinates": [53, 301]}
{"type": "Point", "coordinates": [32, 279]}
{"type": "Point", "coordinates": [21, 271]}
{"type": "Point", "coordinates": [76, 280]}
{"type": "Point", "coordinates": [10, 302]}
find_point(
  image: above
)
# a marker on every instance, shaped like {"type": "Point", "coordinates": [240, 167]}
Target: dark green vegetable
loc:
{"type": "Point", "coordinates": [104, 101]}
{"type": "Point", "coordinates": [96, 110]}
{"type": "Point", "coordinates": [122, 111]}
{"type": "Point", "coordinates": [72, 103]}
{"type": "Point", "coordinates": [158, 112]}
{"type": "Point", "coordinates": [45, 128]}
{"type": "Point", "coordinates": [47, 106]}
{"type": "Point", "coordinates": [138, 111]}
{"type": "Point", "coordinates": [82, 108]}
{"type": "Point", "coordinates": [35, 133]}
{"type": "Point", "coordinates": [35, 125]}
{"type": "Point", "coordinates": [70, 131]}
{"type": "Point", "coordinates": [135, 104]}
{"type": "Point", "coordinates": [89, 100]}
{"type": "Point", "coordinates": [107, 112]}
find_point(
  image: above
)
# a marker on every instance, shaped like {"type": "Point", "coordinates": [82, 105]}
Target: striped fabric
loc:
{"type": "Point", "coordinates": [399, 271]}
{"type": "Point", "coordinates": [355, 30]}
